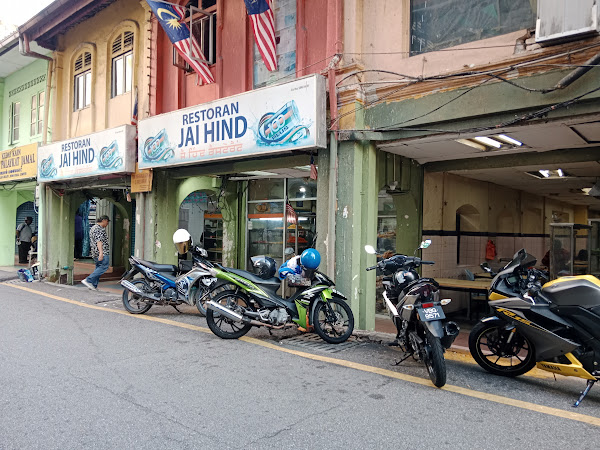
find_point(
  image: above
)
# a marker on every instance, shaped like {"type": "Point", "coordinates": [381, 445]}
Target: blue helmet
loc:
{"type": "Point", "coordinates": [310, 259]}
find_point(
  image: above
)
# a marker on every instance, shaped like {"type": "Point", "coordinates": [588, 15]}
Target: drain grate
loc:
{"type": "Point", "coordinates": [314, 342]}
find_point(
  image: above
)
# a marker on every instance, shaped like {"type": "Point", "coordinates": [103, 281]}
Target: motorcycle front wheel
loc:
{"type": "Point", "coordinates": [133, 302]}
{"type": "Point", "coordinates": [333, 320]}
{"type": "Point", "coordinates": [434, 360]}
{"type": "Point", "coordinates": [501, 350]}
{"type": "Point", "coordinates": [222, 326]}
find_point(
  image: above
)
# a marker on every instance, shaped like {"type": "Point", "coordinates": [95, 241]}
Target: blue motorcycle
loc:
{"type": "Point", "coordinates": [148, 283]}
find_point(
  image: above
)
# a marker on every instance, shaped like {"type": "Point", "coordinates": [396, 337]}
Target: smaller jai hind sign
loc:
{"type": "Point", "coordinates": [102, 153]}
{"type": "Point", "coordinates": [19, 163]}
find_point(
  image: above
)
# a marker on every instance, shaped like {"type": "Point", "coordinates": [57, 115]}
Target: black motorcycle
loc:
{"type": "Point", "coordinates": [555, 326]}
{"type": "Point", "coordinates": [416, 310]}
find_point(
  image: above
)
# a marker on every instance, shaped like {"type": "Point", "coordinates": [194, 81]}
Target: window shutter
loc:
{"type": "Point", "coordinates": [79, 63]}
{"type": "Point", "coordinates": [128, 39]}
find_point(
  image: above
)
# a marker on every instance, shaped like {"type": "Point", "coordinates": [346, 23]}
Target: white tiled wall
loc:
{"type": "Point", "coordinates": [472, 253]}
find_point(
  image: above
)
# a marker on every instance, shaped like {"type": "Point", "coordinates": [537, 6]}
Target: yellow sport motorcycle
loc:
{"type": "Point", "coordinates": [555, 327]}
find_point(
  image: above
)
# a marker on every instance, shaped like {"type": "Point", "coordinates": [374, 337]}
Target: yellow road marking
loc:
{"type": "Point", "coordinates": [349, 364]}
{"type": "Point", "coordinates": [467, 358]}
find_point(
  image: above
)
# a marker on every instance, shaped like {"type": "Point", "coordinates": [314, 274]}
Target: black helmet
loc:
{"type": "Point", "coordinates": [405, 277]}
{"type": "Point", "coordinates": [264, 266]}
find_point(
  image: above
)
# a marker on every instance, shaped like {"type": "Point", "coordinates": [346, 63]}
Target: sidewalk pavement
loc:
{"type": "Point", "coordinates": [385, 330]}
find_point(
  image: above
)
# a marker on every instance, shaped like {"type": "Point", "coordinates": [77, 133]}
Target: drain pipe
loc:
{"type": "Point", "coordinates": [335, 20]}
{"type": "Point", "coordinates": [577, 73]}
{"type": "Point", "coordinates": [26, 51]}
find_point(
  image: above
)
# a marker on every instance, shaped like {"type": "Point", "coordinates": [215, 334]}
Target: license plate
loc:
{"type": "Point", "coordinates": [431, 313]}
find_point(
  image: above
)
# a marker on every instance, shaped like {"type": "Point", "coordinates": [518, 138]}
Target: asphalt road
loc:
{"type": "Point", "coordinates": [76, 371]}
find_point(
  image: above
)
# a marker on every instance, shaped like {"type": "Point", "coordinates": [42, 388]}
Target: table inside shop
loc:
{"type": "Point", "coordinates": [478, 286]}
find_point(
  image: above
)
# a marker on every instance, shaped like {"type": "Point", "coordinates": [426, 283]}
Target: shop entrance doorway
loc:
{"type": "Point", "coordinates": [200, 214]}
{"type": "Point", "coordinates": [27, 209]}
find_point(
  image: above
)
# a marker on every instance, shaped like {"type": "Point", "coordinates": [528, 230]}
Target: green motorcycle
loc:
{"type": "Point", "coordinates": [250, 300]}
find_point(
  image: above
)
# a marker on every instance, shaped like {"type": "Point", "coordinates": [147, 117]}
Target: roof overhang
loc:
{"type": "Point", "coordinates": [59, 17]}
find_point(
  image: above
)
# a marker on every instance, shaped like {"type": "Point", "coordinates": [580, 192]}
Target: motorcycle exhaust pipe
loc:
{"type": "Point", "coordinates": [232, 315]}
{"type": "Point", "coordinates": [451, 330]}
{"type": "Point", "coordinates": [137, 291]}
{"type": "Point", "coordinates": [236, 317]}
{"type": "Point", "coordinates": [133, 288]}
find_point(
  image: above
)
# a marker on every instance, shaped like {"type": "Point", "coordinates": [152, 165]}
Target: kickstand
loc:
{"type": "Point", "coordinates": [397, 363]}
{"type": "Point", "coordinates": [176, 309]}
{"type": "Point", "coordinates": [590, 383]}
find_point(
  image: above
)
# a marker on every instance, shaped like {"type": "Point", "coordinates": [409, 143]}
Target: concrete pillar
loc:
{"type": "Point", "coordinates": [59, 231]}
{"type": "Point", "coordinates": [8, 210]}
{"type": "Point", "coordinates": [356, 222]}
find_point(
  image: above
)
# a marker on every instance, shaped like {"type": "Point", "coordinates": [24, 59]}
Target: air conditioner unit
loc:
{"type": "Point", "coordinates": [566, 20]}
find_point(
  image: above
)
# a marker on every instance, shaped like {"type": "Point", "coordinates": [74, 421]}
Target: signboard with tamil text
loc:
{"type": "Point", "coordinates": [18, 163]}
{"type": "Point", "coordinates": [102, 153]}
{"type": "Point", "coordinates": [284, 117]}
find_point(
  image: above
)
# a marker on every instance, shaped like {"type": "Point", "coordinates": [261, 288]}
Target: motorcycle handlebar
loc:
{"type": "Point", "coordinates": [372, 268]}
{"type": "Point", "coordinates": [428, 262]}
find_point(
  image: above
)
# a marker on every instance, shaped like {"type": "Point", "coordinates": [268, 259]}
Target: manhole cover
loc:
{"type": "Point", "coordinates": [314, 342]}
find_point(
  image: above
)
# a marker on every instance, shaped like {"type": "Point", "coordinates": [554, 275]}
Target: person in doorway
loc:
{"type": "Point", "coordinates": [78, 236]}
{"type": "Point", "coordinates": [100, 251]}
{"type": "Point", "coordinates": [561, 255]}
{"type": "Point", "coordinates": [24, 235]}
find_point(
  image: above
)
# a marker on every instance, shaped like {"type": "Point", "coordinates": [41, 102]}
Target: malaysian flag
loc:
{"type": "Point", "coordinates": [261, 15]}
{"type": "Point", "coordinates": [290, 214]}
{"type": "Point", "coordinates": [313, 168]}
{"type": "Point", "coordinates": [171, 17]}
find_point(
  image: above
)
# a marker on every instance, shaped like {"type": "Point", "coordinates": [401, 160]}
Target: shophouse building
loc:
{"type": "Point", "coordinates": [100, 52]}
{"type": "Point", "coordinates": [23, 126]}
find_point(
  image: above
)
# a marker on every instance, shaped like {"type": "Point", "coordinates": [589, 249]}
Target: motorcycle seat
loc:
{"type": "Point", "coordinates": [583, 290]}
{"type": "Point", "coordinates": [168, 268]}
{"type": "Point", "coordinates": [255, 279]}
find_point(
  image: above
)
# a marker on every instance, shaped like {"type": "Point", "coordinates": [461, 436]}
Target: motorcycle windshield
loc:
{"type": "Point", "coordinates": [520, 259]}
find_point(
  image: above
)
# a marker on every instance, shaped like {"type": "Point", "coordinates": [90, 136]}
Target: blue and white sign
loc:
{"type": "Point", "coordinates": [284, 117]}
{"type": "Point", "coordinates": [103, 153]}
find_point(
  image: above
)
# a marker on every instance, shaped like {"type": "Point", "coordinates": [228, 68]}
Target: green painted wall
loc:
{"type": "Point", "coordinates": [11, 197]}
{"type": "Point", "coordinates": [20, 86]}
{"type": "Point", "coordinates": [485, 105]}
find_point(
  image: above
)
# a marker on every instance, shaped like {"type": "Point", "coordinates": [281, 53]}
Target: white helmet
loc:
{"type": "Point", "coordinates": [182, 240]}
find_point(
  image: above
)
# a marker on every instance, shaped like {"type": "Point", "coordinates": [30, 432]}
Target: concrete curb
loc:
{"type": "Point", "coordinates": [378, 337]}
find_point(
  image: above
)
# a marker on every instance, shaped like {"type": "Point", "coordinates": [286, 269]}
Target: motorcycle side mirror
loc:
{"type": "Point", "coordinates": [370, 250]}
{"type": "Point", "coordinates": [200, 251]}
{"type": "Point", "coordinates": [426, 243]}
{"type": "Point", "coordinates": [288, 251]}
{"type": "Point", "coordinates": [485, 266]}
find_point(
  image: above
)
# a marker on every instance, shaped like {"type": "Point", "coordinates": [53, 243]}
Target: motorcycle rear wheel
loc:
{"type": "Point", "coordinates": [220, 325]}
{"type": "Point", "coordinates": [333, 320]}
{"type": "Point", "coordinates": [489, 346]}
{"type": "Point", "coordinates": [133, 302]}
{"type": "Point", "coordinates": [434, 360]}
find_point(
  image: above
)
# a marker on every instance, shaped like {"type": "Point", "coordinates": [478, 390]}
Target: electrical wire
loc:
{"type": "Point", "coordinates": [534, 115]}
{"type": "Point", "coordinates": [490, 73]}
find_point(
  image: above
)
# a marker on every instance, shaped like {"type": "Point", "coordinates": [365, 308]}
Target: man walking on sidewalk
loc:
{"type": "Point", "coordinates": [100, 251]}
